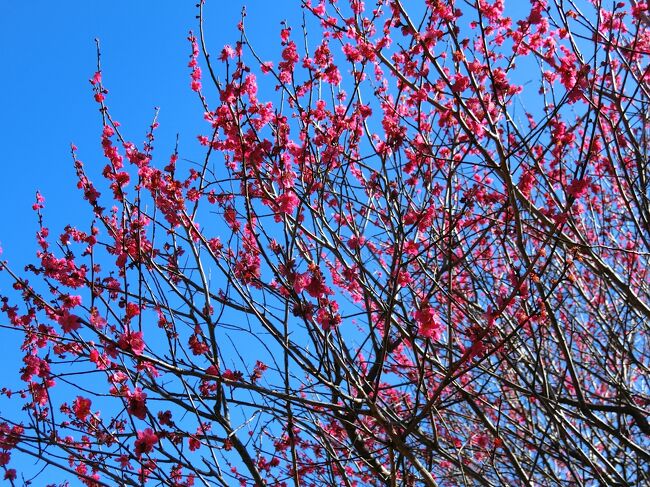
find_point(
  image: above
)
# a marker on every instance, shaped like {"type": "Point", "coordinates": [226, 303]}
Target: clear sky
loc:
{"type": "Point", "coordinates": [47, 54]}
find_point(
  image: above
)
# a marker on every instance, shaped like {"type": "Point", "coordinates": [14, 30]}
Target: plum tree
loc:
{"type": "Point", "coordinates": [422, 261]}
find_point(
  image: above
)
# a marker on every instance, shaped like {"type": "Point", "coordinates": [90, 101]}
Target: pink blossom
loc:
{"type": "Point", "coordinates": [145, 442]}
{"type": "Point", "coordinates": [578, 187]}
{"type": "Point", "coordinates": [81, 407]}
{"type": "Point", "coordinates": [287, 202]}
{"type": "Point", "coordinates": [136, 403]}
{"type": "Point", "coordinates": [227, 53]}
{"type": "Point", "coordinates": [428, 321]}
{"type": "Point", "coordinates": [69, 322]}
{"type": "Point", "coordinates": [132, 341]}
{"type": "Point", "coordinates": [96, 79]}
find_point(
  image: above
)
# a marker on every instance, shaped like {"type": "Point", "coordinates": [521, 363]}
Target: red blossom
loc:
{"type": "Point", "coordinates": [198, 346]}
{"type": "Point", "coordinates": [390, 231]}
{"type": "Point", "coordinates": [96, 79]}
{"type": "Point", "coordinates": [136, 403]}
{"type": "Point", "coordinates": [227, 53]}
{"type": "Point", "coordinates": [287, 203]}
{"type": "Point", "coordinates": [429, 324]}
{"type": "Point", "coordinates": [578, 188]}
{"type": "Point", "coordinates": [81, 407]}
{"type": "Point", "coordinates": [232, 375]}
{"type": "Point", "coordinates": [145, 442]}
{"type": "Point", "coordinates": [69, 322]}
{"type": "Point", "coordinates": [132, 341]}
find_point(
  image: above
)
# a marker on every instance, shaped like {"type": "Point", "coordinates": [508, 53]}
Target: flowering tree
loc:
{"type": "Point", "coordinates": [423, 262]}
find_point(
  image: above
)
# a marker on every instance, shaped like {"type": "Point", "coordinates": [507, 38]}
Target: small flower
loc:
{"type": "Point", "coordinates": [132, 341]}
{"type": "Point", "coordinates": [69, 322]}
{"type": "Point", "coordinates": [136, 403]}
{"type": "Point", "coordinates": [96, 79]}
{"type": "Point", "coordinates": [81, 407]}
{"type": "Point", "coordinates": [428, 323]}
{"type": "Point", "coordinates": [287, 203]}
{"type": "Point", "coordinates": [578, 187]}
{"type": "Point", "coordinates": [145, 442]}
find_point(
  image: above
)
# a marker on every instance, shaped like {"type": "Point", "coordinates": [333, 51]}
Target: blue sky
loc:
{"type": "Point", "coordinates": [48, 55]}
{"type": "Point", "coordinates": [47, 52]}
